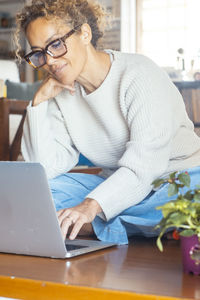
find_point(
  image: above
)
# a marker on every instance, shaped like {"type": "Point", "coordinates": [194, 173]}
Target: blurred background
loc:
{"type": "Point", "coordinates": [167, 31]}
{"type": "Point", "coordinates": [164, 30]}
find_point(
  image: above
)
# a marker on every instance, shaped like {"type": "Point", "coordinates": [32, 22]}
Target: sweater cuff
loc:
{"type": "Point", "coordinates": [118, 192]}
{"type": "Point", "coordinates": [37, 114]}
{"type": "Point", "coordinates": [38, 109]}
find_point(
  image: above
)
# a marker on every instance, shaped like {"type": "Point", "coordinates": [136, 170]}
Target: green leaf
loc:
{"type": "Point", "coordinates": [198, 230]}
{"type": "Point", "coordinates": [166, 212]}
{"type": "Point", "coordinates": [172, 189]}
{"type": "Point", "coordinates": [159, 244]}
{"type": "Point", "coordinates": [187, 232]}
{"type": "Point", "coordinates": [172, 175]}
{"type": "Point", "coordinates": [197, 197]}
{"type": "Point", "coordinates": [167, 208]}
{"type": "Point", "coordinates": [156, 183]}
{"type": "Point", "coordinates": [188, 195]}
{"type": "Point", "coordinates": [168, 205]}
{"type": "Point", "coordinates": [185, 179]}
{"type": "Point", "coordinates": [192, 211]}
{"type": "Point", "coordinates": [176, 219]}
{"type": "Point", "coordinates": [183, 212]}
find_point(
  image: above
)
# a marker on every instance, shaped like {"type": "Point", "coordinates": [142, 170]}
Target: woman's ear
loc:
{"type": "Point", "coordinates": [86, 33]}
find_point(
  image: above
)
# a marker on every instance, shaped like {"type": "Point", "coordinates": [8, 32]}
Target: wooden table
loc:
{"type": "Point", "coordinates": [137, 271]}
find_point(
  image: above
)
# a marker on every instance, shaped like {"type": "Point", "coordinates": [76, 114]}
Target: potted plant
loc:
{"type": "Point", "coordinates": [183, 215]}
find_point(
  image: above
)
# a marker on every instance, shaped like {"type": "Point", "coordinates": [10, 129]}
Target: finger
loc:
{"type": "Point", "coordinates": [64, 226]}
{"type": "Point", "coordinates": [68, 221]}
{"type": "Point", "coordinates": [59, 212]}
{"type": "Point", "coordinates": [66, 86]}
{"type": "Point", "coordinates": [73, 217]}
{"type": "Point", "coordinates": [72, 93]}
{"type": "Point", "coordinates": [77, 227]}
{"type": "Point", "coordinates": [64, 214]}
{"type": "Point", "coordinates": [48, 77]}
{"type": "Point", "coordinates": [69, 88]}
{"type": "Point", "coordinates": [59, 84]}
{"type": "Point", "coordinates": [73, 84]}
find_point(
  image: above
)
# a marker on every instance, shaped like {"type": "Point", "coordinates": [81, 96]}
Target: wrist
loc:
{"type": "Point", "coordinates": [38, 98]}
{"type": "Point", "coordinates": [93, 204]}
{"type": "Point", "coordinates": [35, 101]}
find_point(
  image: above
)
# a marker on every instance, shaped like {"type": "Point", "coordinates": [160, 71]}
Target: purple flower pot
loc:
{"type": "Point", "coordinates": [190, 248]}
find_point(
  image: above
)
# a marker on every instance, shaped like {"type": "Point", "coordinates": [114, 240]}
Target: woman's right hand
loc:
{"type": "Point", "coordinates": [50, 88]}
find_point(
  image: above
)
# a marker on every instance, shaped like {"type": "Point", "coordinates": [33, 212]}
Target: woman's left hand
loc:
{"type": "Point", "coordinates": [77, 216]}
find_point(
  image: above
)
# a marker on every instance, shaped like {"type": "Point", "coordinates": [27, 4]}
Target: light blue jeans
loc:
{"type": "Point", "coordinates": [70, 189]}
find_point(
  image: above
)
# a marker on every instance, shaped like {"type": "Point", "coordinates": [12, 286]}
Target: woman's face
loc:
{"type": "Point", "coordinates": [68, 67]}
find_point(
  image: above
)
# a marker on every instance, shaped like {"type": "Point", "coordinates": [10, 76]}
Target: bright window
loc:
{"type": "Point", "coordinates": [165, 26]}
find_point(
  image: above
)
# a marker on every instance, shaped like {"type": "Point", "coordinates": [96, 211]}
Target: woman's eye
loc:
{"type": "Point", "coordinates": [38, 55]}
{"type": "Point", "coordinates": [56, 45]}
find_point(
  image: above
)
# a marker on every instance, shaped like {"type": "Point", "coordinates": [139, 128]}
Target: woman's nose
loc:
{"type": "Point", "coordinates": [49, 59]}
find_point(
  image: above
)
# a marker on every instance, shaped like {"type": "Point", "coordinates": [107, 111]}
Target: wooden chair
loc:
{"type": "Point", "coordinates": [11, 151]}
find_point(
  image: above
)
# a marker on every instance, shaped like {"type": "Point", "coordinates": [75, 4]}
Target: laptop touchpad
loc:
{"type": "Point", "coordinates": [74, 247]}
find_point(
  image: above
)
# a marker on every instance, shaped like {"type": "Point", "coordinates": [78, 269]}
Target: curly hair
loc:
{"type": "Point", "coordinates": [73, 12]}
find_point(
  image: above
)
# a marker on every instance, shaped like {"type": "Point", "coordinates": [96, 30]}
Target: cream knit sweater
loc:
{"type": "Point", "coordinates": [134, 126]}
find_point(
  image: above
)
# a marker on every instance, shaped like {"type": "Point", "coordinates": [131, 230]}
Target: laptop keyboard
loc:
{"type": "Point", "coordinates": [74, 247]}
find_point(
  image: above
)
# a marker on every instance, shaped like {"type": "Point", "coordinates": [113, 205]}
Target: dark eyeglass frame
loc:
{"type": "Point", "coordinates": [45, 50]}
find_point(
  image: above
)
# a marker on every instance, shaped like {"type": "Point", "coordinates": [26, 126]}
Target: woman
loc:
{"type": "Point", "coordinates": [119, 110]}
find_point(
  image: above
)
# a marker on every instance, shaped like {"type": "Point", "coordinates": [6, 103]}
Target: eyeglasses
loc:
{"type": "Point", "coordinates": [55, 49]}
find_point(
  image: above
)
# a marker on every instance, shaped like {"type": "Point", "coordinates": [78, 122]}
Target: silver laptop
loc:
{"type": "Point", "coordinates": [28, 220]}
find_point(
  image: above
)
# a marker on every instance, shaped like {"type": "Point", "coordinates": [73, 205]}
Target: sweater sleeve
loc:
{"type": "Point", "coordinates": [46, 140]}
{"type": "Point", "coordinates": [151, 126]}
